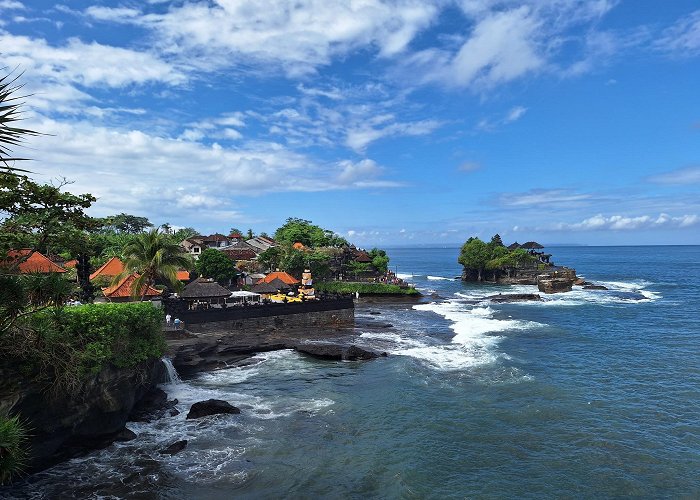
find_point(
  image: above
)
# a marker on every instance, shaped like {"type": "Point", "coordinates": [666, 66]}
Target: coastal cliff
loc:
{"type": "Point", "coordinates": [63, 424]}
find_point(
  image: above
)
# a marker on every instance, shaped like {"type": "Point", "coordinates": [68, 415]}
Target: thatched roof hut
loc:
{"type": "Point", "coordinates": [514, 246]}
{"type": "Point", "coordinates": [202, 289]}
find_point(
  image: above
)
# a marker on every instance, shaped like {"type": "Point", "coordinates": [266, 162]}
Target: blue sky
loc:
{"type": "Point", "coordinates": [390, 122]}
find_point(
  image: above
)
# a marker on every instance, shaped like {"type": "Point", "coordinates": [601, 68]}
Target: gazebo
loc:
{"type": "Point", "coordinates": [514, 246]}
{"type": "Point", "coordinates": [204, 293]}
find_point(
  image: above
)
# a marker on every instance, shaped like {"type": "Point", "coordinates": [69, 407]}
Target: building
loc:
{"type": "Point", "coordinates": [204, 293]}
{"type": "Point", "coordinates": [122, 291]}
{"type": "Point", "coordinates": [280, 275]}
{"type": "Point", "coordinates": [261, 243]}
{"type": "Point", "coordinates": [35, 262]}
{"type": "Point", "coordinates": [216, 240]}
{"type": "Point", "coordinates": [194, 246]}
{"type": "Point", "coordinates": [113, 267]}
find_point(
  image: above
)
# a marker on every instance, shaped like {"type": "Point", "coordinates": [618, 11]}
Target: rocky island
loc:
{"type": "Point", "coordinates": [515, 264]}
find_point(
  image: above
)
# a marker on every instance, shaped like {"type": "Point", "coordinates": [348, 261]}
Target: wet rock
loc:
{"type": "Point", "coordinates": [125, 435]}
{"type": "Point", "coordinates": [174, 448]}
{"type": "Point", "coordinates": [595, 287]}
{"type": "Point", "coordinates": [555, 285]}
{"type": "Point", "coordinates": [211, 407]}
{"type": "Point", "coordinates": [336, 352]}
{"type": "Point", "coordinates": [376, 313]}
{"type": "Point", "coordinates": [514, 297]}
{"type": "Point", "coordinates": [152, 406]}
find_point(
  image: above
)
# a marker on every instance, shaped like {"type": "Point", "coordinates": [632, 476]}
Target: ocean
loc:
{"type": "Point", "coordinates": [588, 394]}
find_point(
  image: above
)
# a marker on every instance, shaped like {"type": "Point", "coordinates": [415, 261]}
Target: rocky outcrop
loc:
{"type": "Point", "coordinates": [514, 297]}
{"type": "Point", "coordinates": [555, 285]}
{"type": "Point", "coordinates": [595, 287]}
{"type": "Point", "coordinates": [153, 405]}
{"type": "Point", "coordinates": [67, 425]}
{"type": "Point", "coordinates": [211, 407]}
{"type": "Point", "coordinates": [174, 448]}
{"type": "Point", "coordinates": [337, 352]}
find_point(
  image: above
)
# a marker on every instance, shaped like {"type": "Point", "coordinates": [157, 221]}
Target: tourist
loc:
{"type": "Point", "coordinates": [177, 322]}
{"type": "Point", "coordinates": [167, 319]}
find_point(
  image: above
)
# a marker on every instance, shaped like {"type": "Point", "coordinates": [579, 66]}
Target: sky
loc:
{"type": "Point", "coordinates": [398, 122]}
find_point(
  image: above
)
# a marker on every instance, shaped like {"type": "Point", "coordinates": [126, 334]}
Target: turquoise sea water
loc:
{"type": "Point", "coordinates": [588, 394]}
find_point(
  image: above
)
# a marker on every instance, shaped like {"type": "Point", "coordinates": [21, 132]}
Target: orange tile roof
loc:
{"type": "Point", "coordinates": [124, 287]}
{"type": "Point", "coordinates": [70, 264]}
{"type": "Point", "coordinates": [183, 275]}
{"type": "Point", "coordinates": [36, 263]}
{"type": "Point", "coordinates": [298, 245]}
{"type": "Point", "coordinates": [280, 275]}
{"type": "Point", "coordinates": [110, 269]}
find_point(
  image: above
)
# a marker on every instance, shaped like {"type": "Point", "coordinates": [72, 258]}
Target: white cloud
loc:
{"type": "Point", "coordinates": [89, 64]}
{"type": "Point", "coordinates": [359, 138]}
{"type": "Point", "coordinates": [543, 198]}
{"type": "Point", "coordinates": [296, 37]}
{"type": "Point", "coordinates": [11, 5]}
{"type": "Point", "coordinates": [469, 166]}
{"type": "Point", "coordinates": [147, 173]}
{"type": "Point", "coordinates": [515, 114]}
{"type": "Point", "coordinates": [627, 223]}
{"type": "Point", "coordinates": [683, 38]}
{"type": "Point", "coordinates": [687, 175]}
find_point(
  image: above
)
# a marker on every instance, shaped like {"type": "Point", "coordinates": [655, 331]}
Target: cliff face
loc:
{"type": "Point", "coordinates": [66, 425]}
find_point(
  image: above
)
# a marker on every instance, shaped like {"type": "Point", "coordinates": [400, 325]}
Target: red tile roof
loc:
{"type": "Point", "coordinates": [124, 287]}
{"type": "Point", "coordinates": [239, 253]}
{"type": "Point", "coordinates": [110, 269]}
{"type": "Point", "coordinates": [216, 237]}
{"type": "Point", "coordinates": [183, 275]}
{"type": "Point", "coordinates": [280, 275]}
{"type": "Point", "coordinates": [235, 235]}
{"type": "Point", "coordinates": [70, 264]}
{"type": "Point", "coordinates": [36, 263]}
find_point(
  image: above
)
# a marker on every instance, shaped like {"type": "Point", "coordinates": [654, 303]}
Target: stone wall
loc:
{"type": "Point", "coordinates": [333, 317]}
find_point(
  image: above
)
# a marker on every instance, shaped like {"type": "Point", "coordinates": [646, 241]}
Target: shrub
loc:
{"type": "Point", "coordinates": [63, 345]}
{"type": "Point", "coordinates": [13, 448]}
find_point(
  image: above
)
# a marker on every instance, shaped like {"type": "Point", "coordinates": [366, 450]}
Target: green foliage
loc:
{"type": "Point", "coordinates": [364, 288]}
{"type": "Point", "coordinates": [380, 260]}
{"type": "Point", "coordinates": [13, 448]}
{"type": "Point", "coordinates": [271, 258]}
{"type": "Point", "coordinates": [10, 113]}
{"type": "Point", "coordinates": [215, 264]}
{"type": "Point", "coordinates": [154, 256]}
{"type": "Point", "coordinates": [480, 256]}
{"type": "Point", "coordinates": [310, 235]}
{"type": "Point", "coordinates": [36, 215]}
{"type": "Point", "coordinates": [125, 223]}
{"type": "Point", "coordinates": [95, 335]}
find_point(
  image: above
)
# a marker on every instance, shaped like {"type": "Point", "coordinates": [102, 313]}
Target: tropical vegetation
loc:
{"type": "Point", "coordinates": [477, 257]}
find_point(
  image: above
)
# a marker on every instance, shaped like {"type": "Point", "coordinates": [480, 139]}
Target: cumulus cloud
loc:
{"type": "Point", "coordinates": [681, 176]}
{"type": "Point", "coordinates": [146, 172]}
{"type": "Point", "coordinates": [296, 37]}
{"type": "Point", "coordinates": [627, 223]}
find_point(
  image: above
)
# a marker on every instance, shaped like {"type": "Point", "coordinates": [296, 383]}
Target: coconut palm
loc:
{"type": "Point", "coordinates": [153, 255]}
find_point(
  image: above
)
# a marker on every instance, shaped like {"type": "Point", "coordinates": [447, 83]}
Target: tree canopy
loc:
{"type": "Point", "coordinates": [215, 264]}
{"type": "Point", "coordinates": [125, 223]}
{"type": "Point", "coordinates": [310, 235]}
{"type": "Point", "coordinates": [479, 256]}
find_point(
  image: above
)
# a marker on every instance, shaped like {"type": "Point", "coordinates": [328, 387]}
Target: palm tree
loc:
{"type": "Point", "coordinates": [10, 104]}
{"type": "Point", "coordinates": [153, 255]}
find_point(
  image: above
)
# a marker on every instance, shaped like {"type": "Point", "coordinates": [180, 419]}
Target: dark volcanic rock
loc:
{"type": "Point", "coordinates": [69, 425]}
{"type": "Point", "coordinates": [595, 287]}
{"type": "Point", "coordinates": [174, 448]}
{"type": "Point", "coordinates": [336, 352]}
{"type": "Point", "coordinates": [211, 407]}
{"type": "Point", "coordinates": [152, 406]}
{"type": "Point", "coordinates": [514, 297]}
{"type": "Point", "coordinates": [125, 435]}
